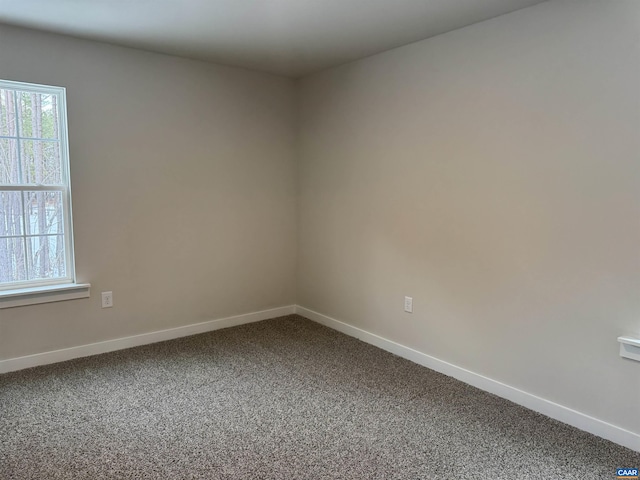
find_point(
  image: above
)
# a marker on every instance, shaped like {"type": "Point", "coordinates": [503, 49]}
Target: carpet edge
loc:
{"type": "Point", "coordinates": [551, 409]}
{"type": "Point", "coordinates": [55, 356]}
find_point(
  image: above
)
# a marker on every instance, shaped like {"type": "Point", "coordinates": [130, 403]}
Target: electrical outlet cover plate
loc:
{"type": "Point", "coordinates": [107, 299]}
{"type": "Point", "coordinates": [408, 304]}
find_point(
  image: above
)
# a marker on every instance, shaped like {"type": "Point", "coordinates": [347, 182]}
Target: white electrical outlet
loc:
{"type": "Point", "coordinates": [408, 304]}
{"type": "Point", "coordinates": [107, 299]}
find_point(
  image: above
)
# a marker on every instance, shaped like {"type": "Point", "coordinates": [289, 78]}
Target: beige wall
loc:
{"type": "Point", "coordinates": [183, 178]}
{"type": "Point", "coordinates": [493, 174]}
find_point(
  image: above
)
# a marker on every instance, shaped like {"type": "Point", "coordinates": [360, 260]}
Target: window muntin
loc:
{"type": "Point", "coordinates": [36, 242]}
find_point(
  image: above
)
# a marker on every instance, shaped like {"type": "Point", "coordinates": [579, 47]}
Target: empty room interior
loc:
{"type": "Point", "coordinates": [320, 239]}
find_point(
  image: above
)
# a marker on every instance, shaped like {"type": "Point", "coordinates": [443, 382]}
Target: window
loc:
{"type": "Point", "coordinates": [36, 241]}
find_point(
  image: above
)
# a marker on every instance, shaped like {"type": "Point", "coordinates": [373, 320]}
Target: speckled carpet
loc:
{"type": "Point", "coordinates": [279, 399]}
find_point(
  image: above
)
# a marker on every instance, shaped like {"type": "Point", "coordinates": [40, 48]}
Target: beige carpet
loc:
{"type": "Point", "coordinates": [279, 399]}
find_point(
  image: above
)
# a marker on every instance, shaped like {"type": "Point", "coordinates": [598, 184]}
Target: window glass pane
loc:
{"type": "Point", "coordinates": [9, 165]}
{"type": "Point", "coordinates": [38, 115]}
{"type": "Point", "coordinates": [45, 257]}
{"type": "Point", "coordinates": [41, 162]}
{"type": "Point", "coordinates": [11, 220]}
{"type": "Point", "coordinates": [12, 260]}
{"type": "Point", "coordinates": [43, 212]}
{"type": "Point", "coordinates": [33, 220]}
{"type": "Point", "coordinates": [7, 113]}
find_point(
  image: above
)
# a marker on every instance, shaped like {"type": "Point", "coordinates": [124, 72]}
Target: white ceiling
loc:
{"type": "Point", "coordinates": [287, 37]}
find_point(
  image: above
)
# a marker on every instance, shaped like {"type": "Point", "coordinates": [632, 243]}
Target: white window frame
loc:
{"type": "Point", "coordinates": [62, 288]}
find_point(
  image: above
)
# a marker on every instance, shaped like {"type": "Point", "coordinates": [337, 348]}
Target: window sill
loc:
{"type": "Point", "coordinates": [47, 294]}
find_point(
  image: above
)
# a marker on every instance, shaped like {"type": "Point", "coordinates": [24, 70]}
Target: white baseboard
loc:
{"type": "Point", "coordinates": [19, 363]}
{"type": "Point", "coordinates": [558, 412]}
